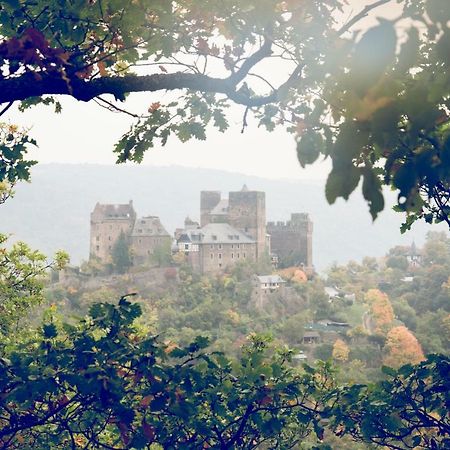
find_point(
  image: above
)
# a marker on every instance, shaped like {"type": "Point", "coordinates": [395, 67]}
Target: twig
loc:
{"type": "Point", "coordinates": [6, 108]}
{"type": "Point", "coordinates": [116, 108]}
{"type": "Point", "coordinates": [244, 120]}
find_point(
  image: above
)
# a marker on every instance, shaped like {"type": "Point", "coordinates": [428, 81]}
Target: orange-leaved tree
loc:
{"type": "Point", "coordinates": [401, 348]}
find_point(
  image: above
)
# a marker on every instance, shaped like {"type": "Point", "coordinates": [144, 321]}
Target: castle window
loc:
{"type": "Point", "coordinates": [212, 255]}
{"type": "Point", "coordinates": [220, 265]}
{"type": "Point", "coordinates": [232, 255]}
{"type": "Point", "coordinates": [237, 236]}
{"type": "Point", "coordinates": [97, 238]}
{"type": "Point", "coordinates": [232, 246]}
{"type": "Point", "coordinates": [211, 246]}
{"type": "Point", "coordinates": [98, 248]}
{"type": "Point", "coordinates": [140, 241]}
{"type": "Point", "coordinates": [238, 246]}
{"type": "Point", "coordinates": [238, 255]}
{"type": "Point", "coordinates": [220, 246]}
{"type": "Point", "coordinates": [214, 237]}
{"type": "Point", "coordinates": [220, 255]}
{"type": "Point", "coordinates": [140, 230]}
{"type": "Point", "coordinates": [109, 238]}
{"type": "Point", "coordinates": [186, 246]}
{"type": "Point", "coordinates": [243, 255]}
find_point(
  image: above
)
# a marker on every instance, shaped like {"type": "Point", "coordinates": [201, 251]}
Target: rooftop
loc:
{"type": "Point", "coordinates": [221, 208]}
{"type": "Point", "coordinates": [216, 233]}
{"type": "Point", "coordinates": [149, 226]}
{"type": "Point", "coordinates": [270, 279]}
{"type": "Point", "coordinates": [115, 211]}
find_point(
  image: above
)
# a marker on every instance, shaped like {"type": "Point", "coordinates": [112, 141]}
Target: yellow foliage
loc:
{"type": "Point", "coordinates": [340, 350]}
{"type": "Point", "coordinates": [293, 274]}
{"type": "Point", "coordinates": [380, 310]}
{"type": "Point", "coordinates": [401, 348]}
{"type": "Point", "coordinates": [234, 317]}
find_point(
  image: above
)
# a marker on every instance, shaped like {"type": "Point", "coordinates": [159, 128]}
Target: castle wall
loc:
{"type": "Point", "coordinates": [292, 238]}
{"type": "Point", "coordinates": [143, 247]}
{"type": "Point", "coordinates": [104, 235]}
{"type": "Point", "coordinates": [217, 257]}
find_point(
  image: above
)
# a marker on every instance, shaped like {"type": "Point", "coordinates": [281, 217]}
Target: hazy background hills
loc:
{"type": "Point", "coordinates": [53, 211]}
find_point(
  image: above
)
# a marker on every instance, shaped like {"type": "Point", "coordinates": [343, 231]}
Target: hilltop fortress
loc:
{"type": "Point", "coordinates": [144, 235]}
{"type": "Point", "coordinates": [231, 229]}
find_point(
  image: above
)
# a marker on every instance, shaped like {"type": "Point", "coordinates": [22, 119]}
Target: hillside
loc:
{"type": "Point", "coordinates": [53, 211]}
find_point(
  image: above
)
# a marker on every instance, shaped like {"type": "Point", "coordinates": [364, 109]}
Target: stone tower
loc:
{"type": "Point", "coordinates": [247, 213]}
{"type": "Point", "coordinates": [293, 239]}
{"type": "Point", "coordinates": [303, 224]}
{"type": "Point", "coordinates": [208, 200]}
{"type": "Point", "coordinates": [107, 223]}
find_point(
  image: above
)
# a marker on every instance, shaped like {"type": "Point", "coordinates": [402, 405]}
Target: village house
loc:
{"type": "Point", "coordinates": [264, 286]}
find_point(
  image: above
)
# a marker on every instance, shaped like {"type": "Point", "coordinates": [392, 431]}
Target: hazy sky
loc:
{"type": "Point", "coordinates": [85, 133]}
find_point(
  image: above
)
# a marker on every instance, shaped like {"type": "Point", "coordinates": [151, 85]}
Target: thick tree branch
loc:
{"type": "Point", "coordinates": [26, 86]}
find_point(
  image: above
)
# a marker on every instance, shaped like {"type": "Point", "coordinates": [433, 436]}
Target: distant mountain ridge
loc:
{"type": "Point", "coordinates": [52, 212]}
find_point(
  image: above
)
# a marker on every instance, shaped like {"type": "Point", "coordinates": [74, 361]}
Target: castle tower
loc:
{"type": "Point", "coordinates": [292, 241]}
{"type": "Point", "coordinates": [107, 223]}
{"type": "Point", "coordinates": [247, 213]}
{"type": "Point", "coordinates": [303, 224]}
{"type": "Point", "coordinates": [208, 200]}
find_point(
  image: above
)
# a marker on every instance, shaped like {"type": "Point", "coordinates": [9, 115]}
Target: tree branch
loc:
{"type": "Point", "coordinates": [6, 107]}
{"type": "Point", "coordinates": [26, 86]}
{"type": "Point", "coordinates": [264, 51]}
{"type": "Point", "coordinates": [364, 12]}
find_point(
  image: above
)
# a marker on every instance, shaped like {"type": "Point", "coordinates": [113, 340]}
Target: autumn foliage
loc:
{"type": "Point", "coordinates": [402, 348]}
{"type": "Point", "coordinates": [340, 350]}
{"type": "Point", "coordinates": [380, 310]}
{"type": "Point", "coordinates": [293, 274]}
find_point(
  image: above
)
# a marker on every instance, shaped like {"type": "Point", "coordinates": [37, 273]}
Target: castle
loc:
{"type": "Point", "coordinates": [231, 229]}
{"type": "Point", "coordinates": [144, 235]}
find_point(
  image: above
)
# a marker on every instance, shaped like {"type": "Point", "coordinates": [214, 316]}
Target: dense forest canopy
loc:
{"type": "Point", "coordinates": [375, 102]}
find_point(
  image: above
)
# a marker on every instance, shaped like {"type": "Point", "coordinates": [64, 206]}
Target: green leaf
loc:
{"type": "Point", "coordinates": [373, 54]}
{"type": "Point", "coordinates": [342, 182]}
{"type": "Point", "coordinates": [158, 403]}
{"type": "Point", "coordinates": [50, 330]}
{"type": "Point", "coordinates": [309, 147]}
{"type": "Point", "coordinates": [372, 191]}
{"type": "Point", "coordinates": [405, 179]}
{"type": "Point", "coordinates": [389, 371]}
